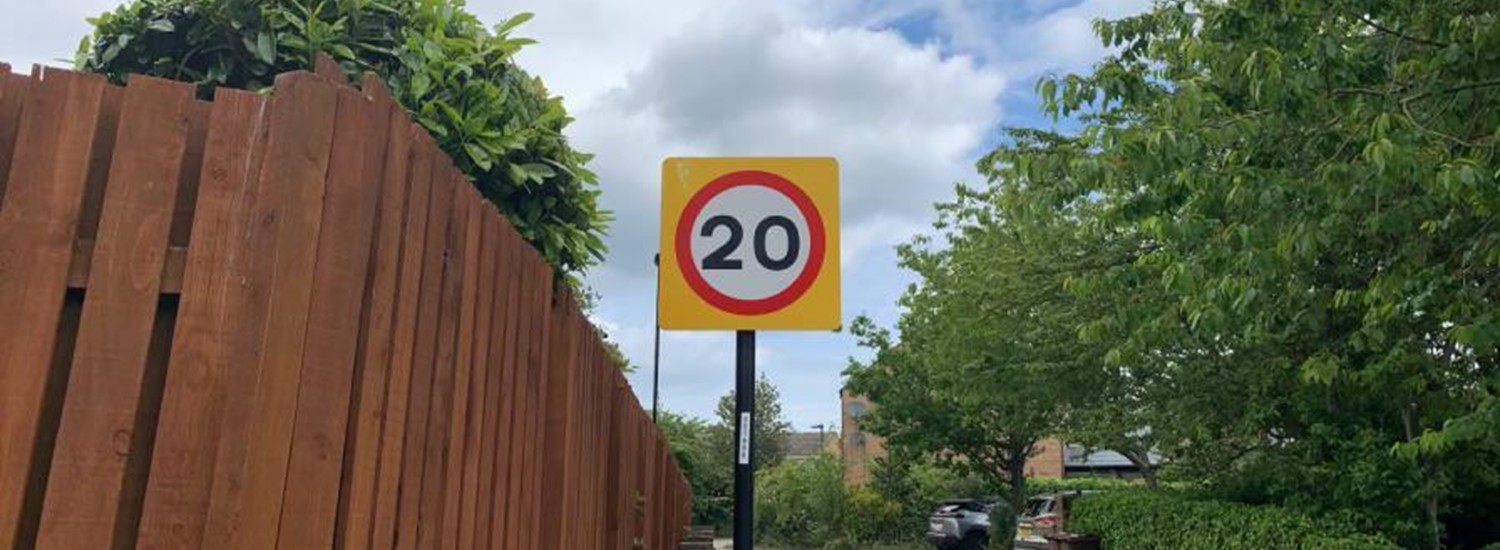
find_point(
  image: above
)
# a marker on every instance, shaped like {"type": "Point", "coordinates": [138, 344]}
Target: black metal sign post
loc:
{"type": "Point", "coordinates": [744, 438]}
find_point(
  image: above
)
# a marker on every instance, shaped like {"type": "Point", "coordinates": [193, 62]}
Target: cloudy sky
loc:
{"type": "Point", "coordinates": [905, 93]}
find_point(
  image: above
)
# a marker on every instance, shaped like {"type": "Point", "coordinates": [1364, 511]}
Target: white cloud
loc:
{"type": "Point", "coordinates": [648, 79]}
{"type": "Point", "coordinates": [1063, 40]}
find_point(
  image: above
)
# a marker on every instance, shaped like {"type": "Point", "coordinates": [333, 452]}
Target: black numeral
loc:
{"type": "Point", "coordinates": [793, 243]}
{"type": "Point", "coordinates": [719, 258]}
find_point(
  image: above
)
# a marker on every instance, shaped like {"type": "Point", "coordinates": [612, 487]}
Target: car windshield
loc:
{"type": "Point", "coordinates": [1037, 506]}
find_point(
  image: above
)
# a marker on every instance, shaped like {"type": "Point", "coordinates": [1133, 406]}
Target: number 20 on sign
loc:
{"type": "Point", "coordinates": [750, 244]}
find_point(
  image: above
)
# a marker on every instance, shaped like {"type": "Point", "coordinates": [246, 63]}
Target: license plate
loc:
{"type": "Point", "coordinates": [1024, 531]}
{"type": "Point", "coordinates": [936, 526]}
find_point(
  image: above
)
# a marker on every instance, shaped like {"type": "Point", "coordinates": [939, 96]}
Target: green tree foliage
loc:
{"type": "Point", "coordinates": [801, 503]}
{"type": "Point", "coordinates": [703, 464]}
{"type": "Point", "coordinates": [1268, 251]}
{"type": "Point", "coordinates": [770, 427]}
{"type": "Point", "coordinates": [457, 78]}
{"type": "Point", "coordinates": [988, 356]}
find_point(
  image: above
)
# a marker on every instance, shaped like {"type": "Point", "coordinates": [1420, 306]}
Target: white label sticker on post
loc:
{"type": "Point", "coordinates": [744, 438]}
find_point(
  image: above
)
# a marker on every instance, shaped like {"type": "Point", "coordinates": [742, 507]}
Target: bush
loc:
{"type": "Point", "coordinates": [801, 503]}
{"type": "Point", "coordinates": [457, 78]}
{"type": "Point", "coordinates": [1040, 485]}
{"type": "Point", "coordinates": [1137, 519]}
{"type": "Point", "coordinates": [870, 518]}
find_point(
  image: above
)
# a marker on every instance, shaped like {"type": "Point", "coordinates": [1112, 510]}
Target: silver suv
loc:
{"type": "Point", "coordinates": [960, 524]}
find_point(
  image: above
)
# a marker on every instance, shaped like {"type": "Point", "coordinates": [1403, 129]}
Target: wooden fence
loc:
{"type": "Point", "coordinates": [287, 321]}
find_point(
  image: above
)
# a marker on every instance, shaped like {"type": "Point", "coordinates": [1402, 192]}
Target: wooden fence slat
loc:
{"type": "Point", "coordinates": [478, 387]}
{"type": "Point", "coordinates": [557, 474]}
{"type": "Point", "coordinates": [498, 346]}
{"type": "Point", "coordinates": [37, 226]}
{"type": "Point", "coordinates": [530, 529]}
{"type": "Point", "coordinates": [97, 437]}
{"type": "Point", "coordinates": [309, 511]}
{"type": "Point", "coordinates": [455, 451]}
{"type": "Point", "coordinates": [373, 359]}
{"type": "Point", "coordinates": [212, 293]}
{"type": "Point", "coordinates": [393, 436]}
{"type": "Point", "coordinates": [529, 389]}
{"type": "Point", "coordinates": [515, 385]}
{"type": "Point", "coordinates": [245, 507]}
{"type": "Point", "coordinates": [199, 113]}
{"type": "Point", "coordinates": [423, 365]}
{"type": "Point", "coordinates": [104, 149]}
{"type": "Point", "coordinates": [602, 453]}
{"type": "Point", "coordinates": [435, 464]}
{"type": "Point", "coordinates": [15, 90]}
{"type": "Point", "coordinates": [616, 447]}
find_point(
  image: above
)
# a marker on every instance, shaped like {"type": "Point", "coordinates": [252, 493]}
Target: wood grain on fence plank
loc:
{"type": "Point", "coordinates": [98, 175]}
{"type": "Point", "coordinates": [463, 363]}
{"type": "Point", "coordinates": [250, 476]}
{"type": "Point", "coordinates": [37, 226]}
{"type": "Point", "coordinates": [538, 359]}
{"type": "Point", "coordinates": [199, 113]}
{"type": "Point", "coordinates": [212, 298]}
{"type": "Point", "coordinates": [15, 90]}
{"type": "Point", "coordinates": [97, 438]}
{"type": "Point", "coordinates": [434, 472]}
{"type": "Point", "coordinates": [423, 366]}
{"type": "Point", "coordinates": [358, 494]}
{"type": "Point", "coordinates": [556, 442]}
{"type": "Point", "coordinates": [478, 388]}
{"type": "Point", "coordinates": [393, 436]}
{"type": "Point", "coordinates": [309, 511]}
{"type": "Point", "coordinates": [497, 348]}
{"type": "Point", "coordinates": [616, 446]}
{"type": "Point", "coordinates": [512, 392]}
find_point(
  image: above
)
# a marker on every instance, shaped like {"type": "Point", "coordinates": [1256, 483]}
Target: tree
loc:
{"type": "Point", "coordinates": [1315, 188]}
{"type": "Point", "coordinates": [459, 80]}
{"type": "Point", "coordinates": [987, 353]}
{"type": "Point", "coordinates": [770, 427]}
{"type": "Point", "coordinates": [693, 444]}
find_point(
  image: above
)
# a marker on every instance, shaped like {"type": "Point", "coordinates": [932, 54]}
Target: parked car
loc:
{"type": "Point", "coordinates": [1043, 515]}
{"type": "Point", "coordinates": [961, 524]}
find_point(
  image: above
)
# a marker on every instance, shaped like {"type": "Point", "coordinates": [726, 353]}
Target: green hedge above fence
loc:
{"type": "Point", "coordinates": [1139, 519]}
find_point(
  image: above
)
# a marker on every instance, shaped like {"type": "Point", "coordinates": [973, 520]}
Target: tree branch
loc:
{"type": "Point", "coordinates": [1403, 36]}
{"type": "Point", "coordinates": [1459, 88]}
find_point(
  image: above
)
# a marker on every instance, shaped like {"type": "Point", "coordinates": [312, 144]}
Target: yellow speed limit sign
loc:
{"type": "Point", "coordinates": [750, 244]}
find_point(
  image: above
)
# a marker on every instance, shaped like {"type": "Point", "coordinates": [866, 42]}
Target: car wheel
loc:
{"type": "Point", "coordinates": [974, 541]}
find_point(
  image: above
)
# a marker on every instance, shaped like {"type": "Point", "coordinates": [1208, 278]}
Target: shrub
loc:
{"type": "Point", "coordinates": [1039, 485]}
{"type": "Point", "coordinates": [1137, 519]}
{"type": "Point", "coordinates": [801, 503]}
{"type": "Point", "coordinates": [870, 518]}
{"type": "Point", "coordinates": [457, 78]}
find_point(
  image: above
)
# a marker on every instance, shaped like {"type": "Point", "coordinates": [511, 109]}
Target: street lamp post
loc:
{"type": "Point", "coordinates": [656, 351]}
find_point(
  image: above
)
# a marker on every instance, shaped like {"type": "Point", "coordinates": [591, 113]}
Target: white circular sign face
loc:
{"type": "Point", "coordinates": [750, 242]}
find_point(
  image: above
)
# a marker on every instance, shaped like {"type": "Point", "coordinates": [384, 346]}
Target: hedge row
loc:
{"type": "Point", "coordinates": [1041, 485]}
{"type": "Point", "coordinates": [1139, 519]}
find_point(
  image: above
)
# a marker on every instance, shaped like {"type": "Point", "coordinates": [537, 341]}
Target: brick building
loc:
{"type": "Point", "coordinates": [1054, 459]}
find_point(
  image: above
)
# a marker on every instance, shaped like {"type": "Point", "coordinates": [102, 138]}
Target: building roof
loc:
{"type": "Point", "coordinates": [807, 444]}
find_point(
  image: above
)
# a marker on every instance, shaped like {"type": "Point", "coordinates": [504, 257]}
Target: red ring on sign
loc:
{"type": "Point", "coordinates": [725, 302]}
